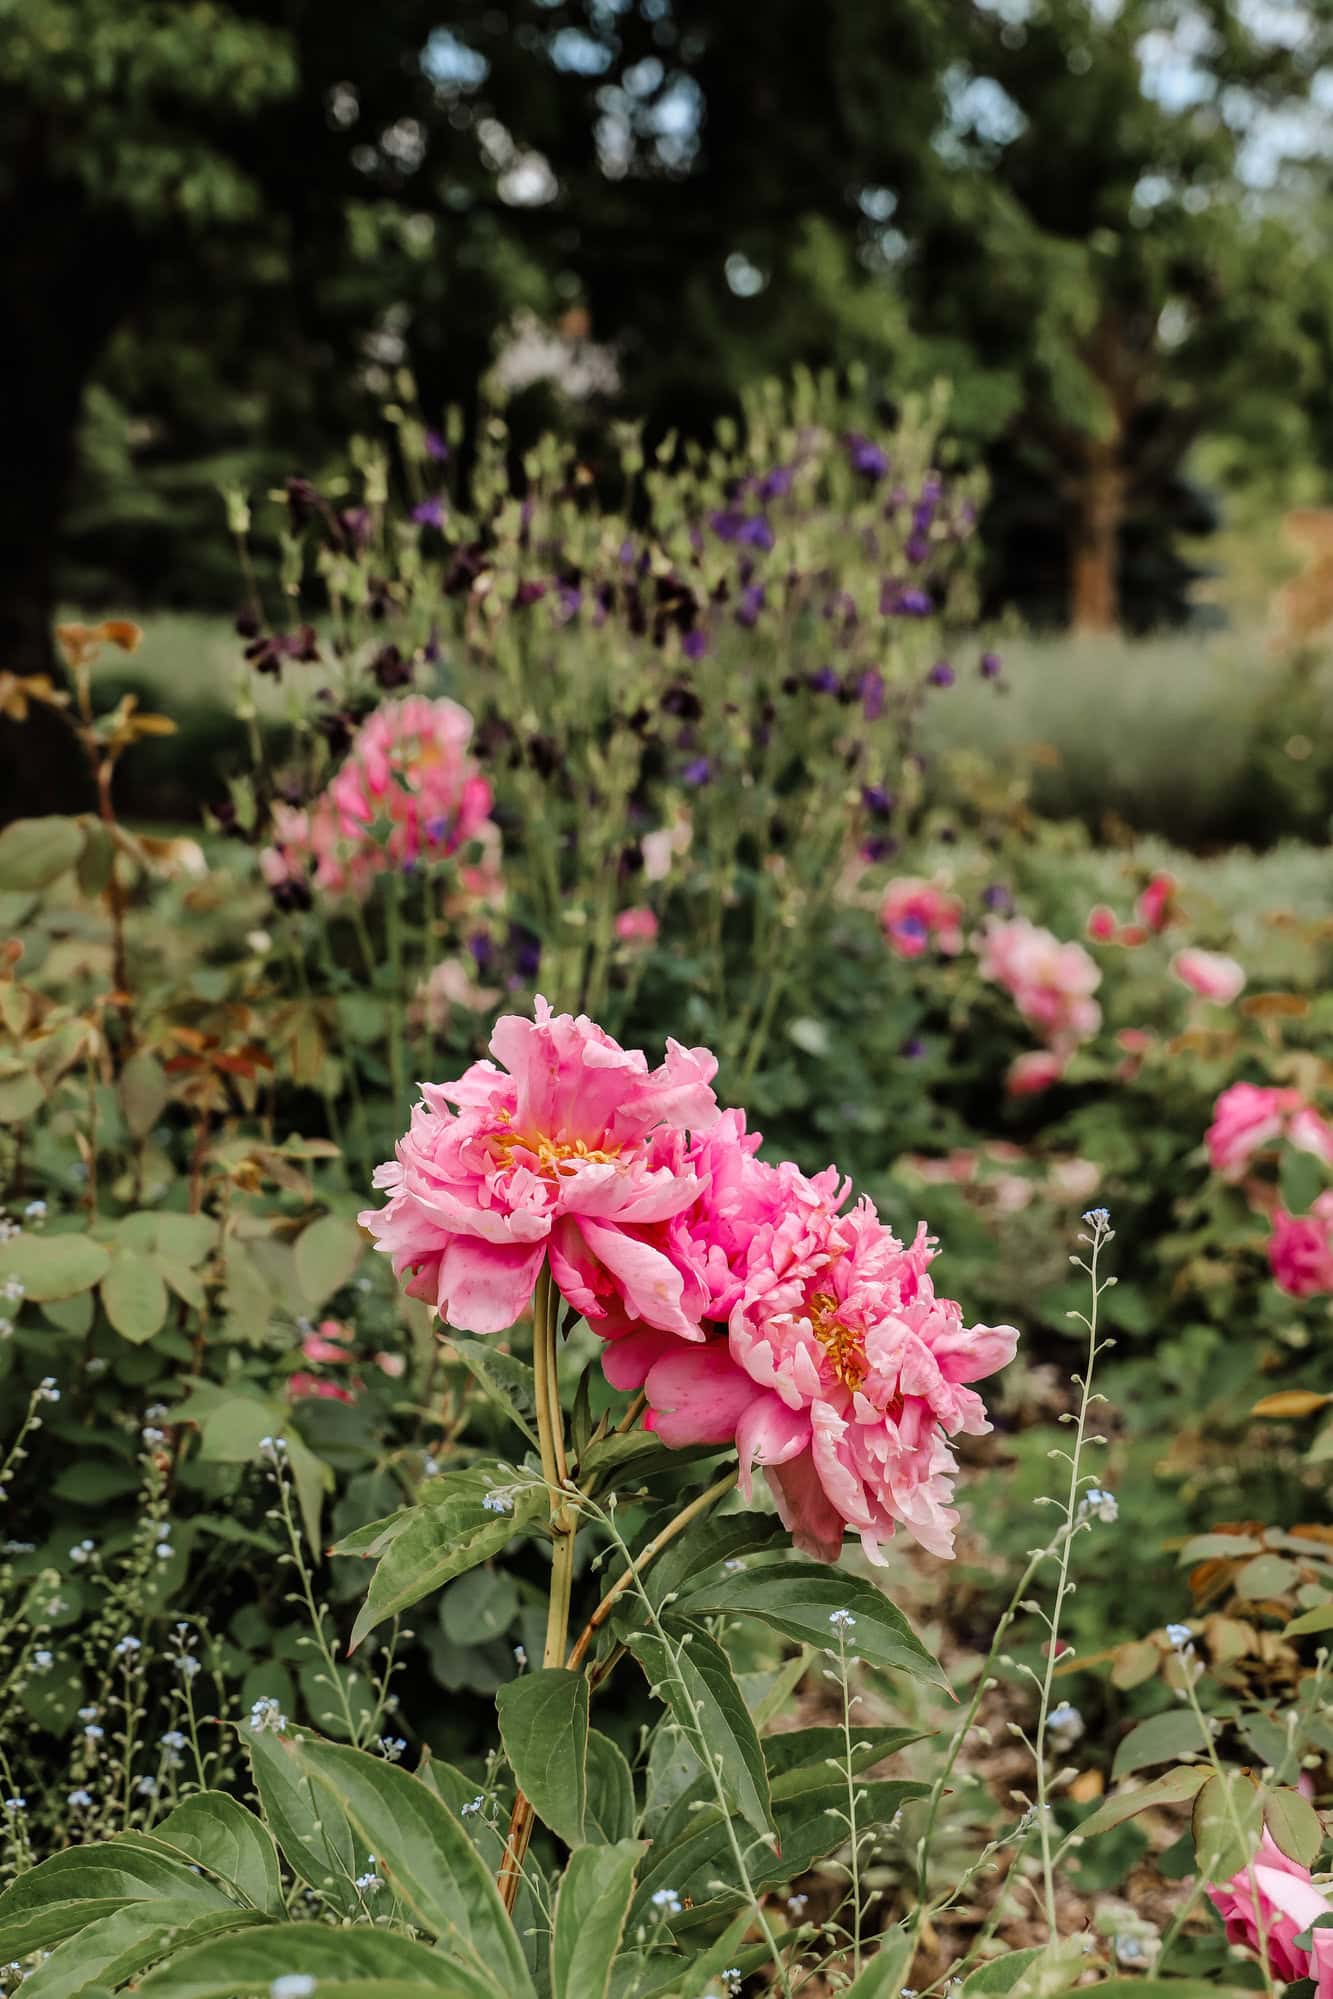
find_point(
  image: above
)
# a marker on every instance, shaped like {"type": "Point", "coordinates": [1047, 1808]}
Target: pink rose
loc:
{"type": "Point", "coordinates": [1155, 906]}
{"type": "Point", "coordinates": [916, 914]}
{"type": "Point", "coordinates": [1300, 1249]}
{"type": "Point", "coordinates": [1279, 1904]}
{"type": "Point", "coordinates": [1247, 1117]}
{"type": "Point", "coordinates": [1028, 1075]}
{"type": "Point", "coordinates": [636, 926]}
{"type": "Point", "coordinates": [1210, 974]}
{"type": "Point", "coordinates": [577, 1154]}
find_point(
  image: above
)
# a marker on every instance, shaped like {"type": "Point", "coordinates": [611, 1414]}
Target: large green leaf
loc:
{"type": "Point", "coordinates": [113, 1948]}
{"type": "Point", "coordinates": [1228, 1822]}
{"type": "Point", "coordinates": [610, 1813]}
{"type": "Point", "coordinates": [449, 1533]}
{"type": "Point", "coordinates": [312, 1830]}
{"type": "Point", "coordinates": [798, 1599]}
{"type": "Point", "coordinates": [134, 1296]}
{"type": "Point", "coordinates": [544, 1728]}
{"type": "Point", "coordinates": [1294, 1824]}
{"type": "Point", "coordinates": [590, 1912]}
{"type": "Point", "coordinates": [326, 1255]}
{"type": "Point", "coordinates": [882, 1974]}
{"type": "Point", "coordinates": [693, 1675]}
{"type": "Point", "coordinates": [71, 1889]}
{"type": "Point", "coordinates": [1160, 1739]}
{"type": "Point", "coordinates": [358, 1963]}
{"type": "Point", "coordinates": [689, 1561]}
{"type": "Point", "coordinates": [1177, 1787]}
{"type": "Point", "coordinates": [433, 1870]}
{"type": "Point", "coordinates": [812, 1748]}
{"type": "Point", "coordinates": [33, 852]}
{"type": "Point", "coordinates": [508, 1382]}
{"type": "Point", "coordinates": [214, 1832]}
{"type": "Point", "coordinates": [1000, 1975]}
{"type": "Point", "coordinates": [53, 1266]}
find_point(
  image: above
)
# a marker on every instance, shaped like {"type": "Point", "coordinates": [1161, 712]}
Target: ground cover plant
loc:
{"type": "Point", "coordinates": [561, 1601]}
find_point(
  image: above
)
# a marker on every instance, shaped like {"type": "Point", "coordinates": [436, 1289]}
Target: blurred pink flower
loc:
{"type": "Point", "coordinates": [1210, 974]}
{"type": "Point", "coordinates": [578, 1153]}
{"type": "Point", "coordinates": [1028, 1075]}
{"type": "Point", "coordinates": [636, 926]}
{"type": "Point", "coordinates": [1102, 925]}
{"type": "Point", "coordinates": [330, 1342]}
{"type": "Point", "coordinates": [1279, 1904]}
{"type": "Point", "coordinates": [1050, 983]}
{"type": "Point", "coordinates": [1309, 1132]}
{"type": "Point", "coordinates": [917, 914]}
{"type": "Point", "coordinates": [1300, 1249]}
{"type": "Point", "coordinates": [1155, 906]}
{"type": "Point", "coordinates": [665, 845]}
{"type": "Point", "coordinates": [299, 1385]}
{"type": "Point", "coordinates": [1247, 1117]}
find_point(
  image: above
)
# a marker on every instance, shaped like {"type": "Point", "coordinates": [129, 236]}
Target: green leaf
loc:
{"type": "Point", "coordinates": [610, 1813]}
{"type": "Point", "coordinates": [112, 1949]}
{"type": "Point", "coordinates": [61, 1895]}
{"type": "Point", "coordinates": [1227, 1824]}
{"type": "Point", "coordinates": [33, 852]}
{"type": "Point", "coordinates": [590, 1911]}
{"type": "Point", "coordinates": [326, 1255]}
{"type": "Point", "coordinates": [1301, 1178]}
{"type": "Point", "coordinates": [96, 861]}
{"type": "Point", "coordinates": [991, 1980]}
{"type": "Point", "coordinates": [478, 1606]}
{"type": "Point", "coordinates": [134, 1296]}
{"type": "Point", "coordinates": [544, 1727]}
{"type": "Point", "coordinates": [430, 1865]}
{"type": "Point", "coordinates": [798, 1599]}
{"type": "Point", "coordinates": [688, 1561]}
{"type": "Point", "coordinates": [663, 1975]}
{"type": "Point", "coordinates": [359, 1963]}
{"type": "Point", "coordinates": [227, 1841]}
{"type": "Point", "coordinates": [143, 1092]}
{"type": "Point", "coordinates": [1318, 1619]}
{"type": "Point", "coordinates": [1177, 1787]}
{"type": "Point", "coordinates": [1204, 1547]}
{"type": "Point", "coordinates": [1294, 1824]}
{"type": "Point", "coordinates": [882, 1977]}
{"type": "Point", "coordinates": [1160, 1739]}
{"type": "Point", "coordinates": [811, 1748]}
{"type": "Point", "coordinates": [693, 1675]}
{"type": "Point", "coordinates": [185, 1239]}
{"type": "Point", "coordinates": [312, 1831]}
{"type": "Point", "coordinates": [1266, 1575]}
{"type": "Point", "coordinates": [509, 1383]}
{"type": "Point", "coordinates": [53, 1266]}
{"type": "Point", "coordinates": [448, 1532]}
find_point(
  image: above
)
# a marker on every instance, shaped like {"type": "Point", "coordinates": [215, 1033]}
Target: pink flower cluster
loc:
{"type": "Point", "coordinates": [1273, 1901]}
{"type": "Point", "coordinates": [1154, 911]}
{"type": "Point", "coordinates": [1050, 983]}
{"type": "Point", "coordinates": [917, 915]}
{"type": "Point", "coordinates": [1250, 1118]}
{"type": "Point", "coordinates": [407, 792]}
{"type": "Point", "coordinates": [746, 1300]}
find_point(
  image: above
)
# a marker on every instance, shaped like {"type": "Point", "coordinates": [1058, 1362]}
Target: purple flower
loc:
{"type": "Point", "coordinates": [436, 447]}
{"type": "Point", "coordinates": [872, 694]}
{"type": "Point", "coordinates": [429, 513]}
{"type": "Point", "coordinates": [750, 605]}
{"type": "Point", "coordinates": [482, 949]}
{"type": "Point", "coordinates": [824, 681]}
{"type": "Point", "coordinates": [913, 929]}
{"type": "Point", "coordinates": [941, 674]}
{"type": "Point", "coordinates": [866, 457]}
{"type": "Point", "coordinates": [571, 599]}
{"type": "Point", "coordinates": [356, 524]}
{"type": "Point", "coordinates": [990, 666]}
{"type": "Point", "coordinates": [898, 601]}
{"type": "Point", "coordinates": [998, 898]}
{"type": "Point", "coordinates": [877, 801]}
{"type": "Point", "coordinates": [878, 848]}
{"type": "Point", "coordinates": [437, 828]}
{"type": "Point", "coordinates": [700, 771]}
{"type": "Point", "coordinates": [918, 548]}
{"type": "Point", "coordinates": [527, 950]}
{"type": "Point", "coordinates": [694, 645]}
{"type": "Point", "coordinates": [913, 1049]}
{"type": "Point", "coordinates": [774, 485]}
{"type": "Point", "coordinates": [748, 530]}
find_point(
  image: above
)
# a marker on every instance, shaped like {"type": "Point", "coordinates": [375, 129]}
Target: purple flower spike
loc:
{"type": "Point", "coordinates": [750, 605]}
{"type": "Point", "coordinates": [436, 447]}
{"type": "Point", "coordinates": [991, 664]}
{"type": "Point", "coordinates": [878, 848]}
{"type": "Point", "coordinates": [941, 674]}
{"type": "Point", "coordinates": [897, 601]}
{"type": "Point", "coordinates": [694, 645]}
{"type": "Point", "coordinates": [429, 513]}
{"type": "Point", "coordinates": [866, 457]}
{"type": "Point", "coordinates": [700, 771]}
{"type": "Point", "coordinates": [872, 694]}
{"type": "Point", "coordinates": [877, 800]}
{"type": "Point", "coordinates": [998, 898]}
{"type": "Point", "coordinates": [824, 681]}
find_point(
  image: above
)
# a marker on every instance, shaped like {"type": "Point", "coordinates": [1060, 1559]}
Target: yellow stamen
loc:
{"type": "Point", "coordinates": [550, 1157]}
{"type": "Point", "coordinates": [845, 1347]}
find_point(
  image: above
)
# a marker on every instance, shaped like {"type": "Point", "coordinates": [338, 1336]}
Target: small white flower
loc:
{"type": "Point", "coordinates": [429, 1466]}
{"type": "Point", "coordinates": [15, 1805]}
{"type": "Point", "coordinates": [163, 1551]}
{"type": "Point", "coordinates": [498, 1502]}
{"type": "Point", "coordinates": [266, 1715]}
{"type": "Point", "coordinates": [392, 1747]}
{"type": "Point", "coordinates": [368, 1883]}
{"type": "Point", "coordinates": [1181, 1637]}
{"type": "Point", "coordinates": [47, 1390]}
{"type": "Point", "coordinates": [81, 1800]}
{"type": "Point", "coordinates": [667, 1901]}
{"type": "Point", "coordinates": [521, 1654]}
{"type": "Point", "coordinates": [147, 1787]}
{"type": "Point", "coordinates": [1065, 1723]}
{"type": "Point", "coordinates": [36, 1211]}
{"type": "Point", "coordinates": [796, 1905]}
{"type": "Point", "coordinates": [292, 1985]}
{"type": "Point", "coordinates": [126, 1647]}
{"type": "Point", "coordinates": [81, 1551]}
{"type": "Point", "coordinates": [1098, 1505]}
{"type": "Point", "coordinates": [470, 1810]}
{"type": "Point", "coordinates": [43, 1660]}
{"type": "Point", "coordinates": [13, 1291]}
{"type": "Point", "coordinates": [152, 1437]}
{"type": "Point", "coordinates": [94, 1731]}
{"type": "Point", "coordinates": [842, 1620]}
{"type": "Point", "coordinates": [273, 1450]}
{"type": "Point", "coordinates": [1129, 1950]}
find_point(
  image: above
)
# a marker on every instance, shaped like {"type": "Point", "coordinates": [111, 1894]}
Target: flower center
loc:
{"type": "Point", "coordinates": [552, 1158]}
{"type": "Point", "coordinates": [846, 1349]}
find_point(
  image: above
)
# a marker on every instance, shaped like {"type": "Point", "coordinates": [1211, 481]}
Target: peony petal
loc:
{"type": "Point", "coordinates": [698, 1395]}
{"type": "Point", "coordinates": [484, 1288]}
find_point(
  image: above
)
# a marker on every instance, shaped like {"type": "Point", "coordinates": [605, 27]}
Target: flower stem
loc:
{"type": "Point", "coordinates": [651, 1552]}
{"type": "Point", "coordinates": [564, 1528]}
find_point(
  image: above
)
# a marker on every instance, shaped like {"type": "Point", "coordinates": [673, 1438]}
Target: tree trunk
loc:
{"type": "Point", "coordinates": [1098, 500]}
{"type": "Point", "coordinates": [66, 277]}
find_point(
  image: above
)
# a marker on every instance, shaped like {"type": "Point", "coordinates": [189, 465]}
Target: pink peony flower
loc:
{"type": "Point", "coordinates": [1275, 1907]}
{"type": "Point", "coordinates": [407, 792]}
{"type": "Point", "coordinates": [1210, 974]}
{"type": "Point", "coordinates": [840, 1372]}
{"type": "Point", "coordinates": [1155, 907]}
{"type": "Point", "coordinates": [636, 926]}
{"type": "Point", "coordinates": [1247, 1117]}
{"type": "Point", "coordinates": [1028, 1075]}
{"type": "Point", "coordinates": [916, 914]}
{"type": "Point", "coordinates": [578, 1153]}
{"type": "Point", "coordinates": [1300, 1249]}
{"type": "Point", "coordinates": [1050, 983]}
